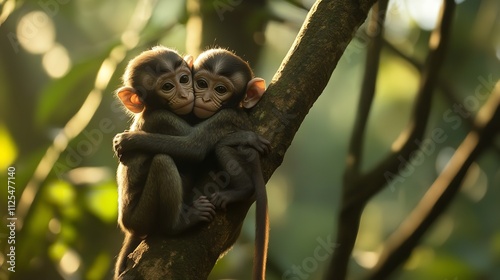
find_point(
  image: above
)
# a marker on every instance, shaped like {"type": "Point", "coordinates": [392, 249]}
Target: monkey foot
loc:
{"type": "Point", "coordinates": [202, 210]}
{"type": "Point", "coordinates": [220, 200]}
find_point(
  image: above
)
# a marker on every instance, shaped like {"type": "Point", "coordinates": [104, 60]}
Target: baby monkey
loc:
{"type": "Point", "coordinates": [158, 91]}
{"type": "Point", "coordinates": [225, 87]}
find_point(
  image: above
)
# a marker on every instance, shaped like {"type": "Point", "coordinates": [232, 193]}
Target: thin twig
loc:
{"type": "Point", "coordinates": [375, 29]}
{"type": "Point", "coordinates": [349, 217]}
{"type": "Point", "coordinates": [376, 179]}
{"type": "Point", "coordinates": [444, 84]}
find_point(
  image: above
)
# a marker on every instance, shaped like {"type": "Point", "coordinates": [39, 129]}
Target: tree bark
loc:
{"type": "Point", "coordinates": [302, 77]}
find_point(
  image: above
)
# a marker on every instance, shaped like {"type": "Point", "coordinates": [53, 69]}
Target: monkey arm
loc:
{"type": "Point", "coordinates": [194, 146]}
{"type": "Point", "coordinates": [246, 138]}
{"type": "Point", "coordinates": [178, 147]}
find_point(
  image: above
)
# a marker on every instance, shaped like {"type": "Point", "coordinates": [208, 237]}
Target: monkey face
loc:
{"type": "Point", "coordinates": [158, 78]}
{"type": "Point", "coordinates": [176, 88]}
{"type": "Point", "coordinates": [211, 92]}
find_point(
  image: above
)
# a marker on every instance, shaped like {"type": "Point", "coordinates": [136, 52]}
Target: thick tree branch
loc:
{"type": "Point", "coordinates": [302, 77]}
{"type": "Point", "coordinates": [439, 196]}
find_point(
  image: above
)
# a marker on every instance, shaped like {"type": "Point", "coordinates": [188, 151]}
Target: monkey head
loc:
{"type": "Point", "coordinates": [224, 80]}
{"type": "Point", "coordinates": [157, 79]}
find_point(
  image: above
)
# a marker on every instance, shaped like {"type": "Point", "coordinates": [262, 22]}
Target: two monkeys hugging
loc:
{"type": "Point", "coordinates": [184, 111]}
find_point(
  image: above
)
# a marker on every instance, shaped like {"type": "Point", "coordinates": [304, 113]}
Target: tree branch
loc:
{"type": "Point", "coordinates": [376, 179]}
{"type": "Point", "coordinates": [375, 30]}
{"type": "Point", "coordinates": [439, 196]}
{"type": "Point", "coordinates": [349, 217]}
{"type": "Point", "coordinates": [357, 190]}
{"type": "Point", "coordinates": [445, 85]}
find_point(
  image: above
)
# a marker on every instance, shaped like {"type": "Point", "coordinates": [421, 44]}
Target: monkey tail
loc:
{"type": "Point", "coordinates": [261, 225]}
{"type": "Point", "coordinates": [129, 244]}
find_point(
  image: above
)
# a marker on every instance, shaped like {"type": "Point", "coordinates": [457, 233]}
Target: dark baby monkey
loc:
{"type": "Point", "coordinates": [158, 90]}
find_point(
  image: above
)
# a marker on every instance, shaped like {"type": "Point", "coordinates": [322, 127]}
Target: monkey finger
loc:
{"type": "Point", "coordinates": [217, 201]}
{"type": "Point", "coordinates": [267, 149]}
{"type": "Point", "coordinates": [264, 140]}
{"type": "Point", "coordinates": [208, 211]}
{"type": "Point", "coordinates": [223, 204]}
{"type": "Point", "coordinates": [204, 202]}
{"type": "Point", "coordinates": [207, 216]}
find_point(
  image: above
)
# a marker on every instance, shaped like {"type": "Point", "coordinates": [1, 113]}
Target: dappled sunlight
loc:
{"type": "Point", "coordinates": [424, 12]}
{"type": "Point", "coordinates": [56, 61]}
{"type": "Point", "coordinates": [475, 184]}
{"type": "Point", "coordinates": [36, 32]}
{"type": "Point", "coordinates": [89, 175]}
{"type": "Point", "coordinates": [398, 24]}
{"type": "Point", "coordinates": [366, 259]}
{"type": "Point", "coordinates": [70, 262]}
{"type": "Point", "coordinates": [55, 226]}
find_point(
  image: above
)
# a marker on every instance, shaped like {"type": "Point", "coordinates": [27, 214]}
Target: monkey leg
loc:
{"type": "Point", "coordinates": [234, 162]}
{"type": "Point", "coordinates": [165, 182]}
{"type": "Point", "coordinates": [245, 184]}
{"type": "Point", "coordinates": [129, 244]}
{"type": "Point", "coordinates": [175, 216]}
{"type": "Point", "coordinates": [158, 204]}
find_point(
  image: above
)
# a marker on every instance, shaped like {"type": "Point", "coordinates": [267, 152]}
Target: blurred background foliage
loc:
{"type": "Point", "coordinates": [61, 60]}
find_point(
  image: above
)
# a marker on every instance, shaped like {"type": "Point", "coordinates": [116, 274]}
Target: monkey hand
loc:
{"type": "Point", "coordinates": [247, 138]}
{"type": "Point", "coordinates": [123, 142]}
{"type": "Point", "coordinates": [261, 144]}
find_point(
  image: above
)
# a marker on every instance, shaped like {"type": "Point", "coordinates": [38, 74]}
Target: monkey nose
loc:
{"type": "Point", "coordinates": [205, 99]}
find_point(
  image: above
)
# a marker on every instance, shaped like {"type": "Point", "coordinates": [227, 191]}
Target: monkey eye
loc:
{"type": "Point", "coordinates": [167, 87]}
{"type": "Point", "coordinates": [184, 79]}
{"type": "Point", "coordinates": [202, 83]}
{"type": "Point", "coordinates": [221, 89]}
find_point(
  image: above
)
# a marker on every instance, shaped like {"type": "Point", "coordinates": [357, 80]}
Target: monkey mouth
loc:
{"type": "Point", "coordinates": [201, 112]}
{"type": "Point", "coordinates": [184, 109]}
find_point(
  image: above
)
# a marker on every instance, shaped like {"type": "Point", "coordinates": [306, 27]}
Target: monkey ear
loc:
{"type": "Point", "coordinates": [255, 89]}
{"type": "Point", "coordinates": [189, 60]}
{"type": "Point", "coordinates": [130, 99]}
